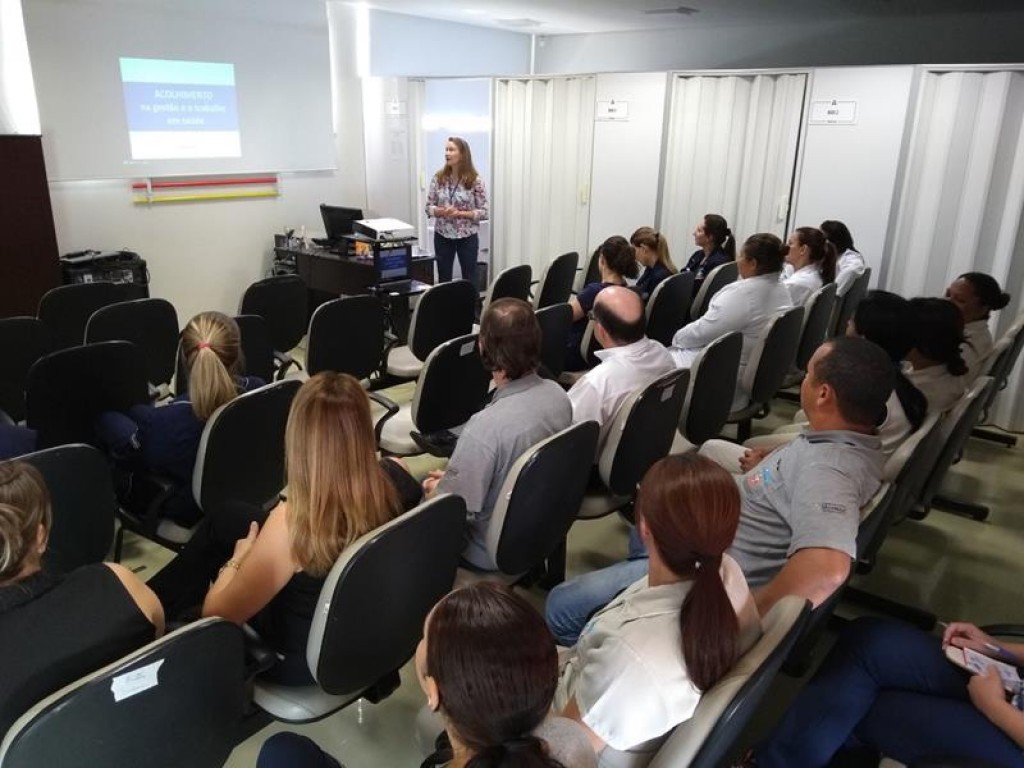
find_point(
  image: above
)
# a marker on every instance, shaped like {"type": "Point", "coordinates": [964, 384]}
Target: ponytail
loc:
{"type": "Point", "coordinates": [521, 752]}
{"type": "Point", "coordinates": [653, 240]}
{"type": "Point", "coordinates": [708, 624]}
{"type": "Point", "coordinates": [823, 252]}
{"type": "Point", "coordinates": [718, 229]}
{"type": "Point", "coordinates": [211, 344]}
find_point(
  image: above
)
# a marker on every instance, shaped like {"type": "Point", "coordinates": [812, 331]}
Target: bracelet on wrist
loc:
{"type": "Point", "coordinates": [232, 563]}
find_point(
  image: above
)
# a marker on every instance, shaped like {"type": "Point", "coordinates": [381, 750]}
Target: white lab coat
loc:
{"type": "Point", "coordinates": [849, 267]}
{"type": "Point", "coordinates": [803, 283]}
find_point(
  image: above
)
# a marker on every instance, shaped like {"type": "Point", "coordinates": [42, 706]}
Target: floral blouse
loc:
{"type": "Point", "coordinates": [448, 193]}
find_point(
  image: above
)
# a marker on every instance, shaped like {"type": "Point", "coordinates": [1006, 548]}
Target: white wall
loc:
{"type": "Point", "coordinates": [953, 38]}
{"type": "Point", "coordinates": [389, 184]}
{"type": "Point", "coordinates": [627, 157]}
{"type": "Point", "coordinates": [848, 172]}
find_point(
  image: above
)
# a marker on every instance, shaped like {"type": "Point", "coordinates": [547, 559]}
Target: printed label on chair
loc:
{"type": "Point", "coordinates": [136, 681]}
{"type": "Point", "coordinates": [666, 393]}
{"type": "Point", "coordinates": [467, 348]}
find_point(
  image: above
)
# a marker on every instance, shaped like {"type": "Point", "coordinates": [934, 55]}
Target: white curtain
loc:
{"type": "Point", "coordinates": [731, 149]}
{"type": "Point", "coordinates": [543, 152]}
{"type": "Point", "coordinates": [18, 110]}
{"type": "Point", "coordinates": [961, 197]}
{"type": "Point", "coordinates": [417, 164]}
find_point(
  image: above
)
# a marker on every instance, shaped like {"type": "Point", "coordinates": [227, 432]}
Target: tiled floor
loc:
{"type": "Point", "coordinates": [956, 567]}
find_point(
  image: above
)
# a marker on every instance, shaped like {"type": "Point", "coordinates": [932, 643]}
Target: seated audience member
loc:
{"type": "Point", "coordinates": [850, 264]}
{"type": "Point", "coordinates": [488, 668]}
{"type": "Point", "coordinates": [934, 364]}
{"type": "Point", "coordinates": [337, 491]}
{"type": "Point", "coordinates": [883, 318]}
{"type": "Point", "coordinates": [715, 246]}
{"type": "Point", "coordinates": [745, 305]}
{"type": "Point", "coordinates": [629, 360]}
{"type": "Point", "coordinates": [976, 295]}
{"type": "Point", "coordinates": [16, 440]}
{"type": "Point", "coordinates": [888, 687]}
{"type": "Point", "coordinates": [643, 661]}
{"type": "Point", "coordinates": [165, 439]}
{"type": "Point", "coordinates": [616, 262]}
{"type": "Point", "coordinates": [813, 259]}
{"type": "Point", "coordinates": [800, 503]}
{"type": "Point", "coordinates": [652, 251]}
{"type": "Point", "coordinates": [57, 628]}
{"type": "Point", "coordinates": [524, 410]}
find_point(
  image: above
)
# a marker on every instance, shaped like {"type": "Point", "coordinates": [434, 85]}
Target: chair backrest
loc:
{"type": "Point", "coordinates": [513, 282]}
{"type": "Point", "coordinates": [846, 304]}
{"type": "Point", "coordinates": [452, 385]}
{"type": "Point", "coordinates": [23, 340]}
{"type": "Point", "coordinates": [589, 345]}
{"type": "Point", "coordinates": [443, 312]}
{"type": "Point", "coordinates": [957, 427]}
{"type": "Point", "coordinates": [1003, 358]}
{"type": "Point", "coordinates": [817, 316]}
{"type": "Point", "coordinates": [151, 324]}
{"type": "Point", "coordinates": [83, 503]}
{"type": "Point", "coordinates": [708, 737]}
{"type": "Point", "coordinates": [590, 273]}
{"type": "Point", "coordinates": [67, 308]}
{"type": "Point", "coordinates": [539, 498]}
{"type": "Point", "coordinates": [668, 309]}
{"type": "Point", "coordinates": [241, 452]}
{"type": "Point", "coordinates": [773, 355]}
{"type": "Point", "coordinates": [376, 597]}
{"type": "Point", "coordinates": [257, 347]}
{"type": "Point", "coordinates": [69, 388]}
{"type": "Point", "coordinates": [642, 432]}
{"type": "Point", "coordinates": [718, 278]}
{"type": "Point", "coordinates": [555, 285]}
{"type": "Point", "coordinates": [346, 335]}
{"type": "Point", "coordinates": [555, 321]}
{"type": "Point", "coordinates": [177, 701]}
{"type": "Point", "coordinates": [712, 388]}
{"type": "Point", "coordinates": [282, 301]}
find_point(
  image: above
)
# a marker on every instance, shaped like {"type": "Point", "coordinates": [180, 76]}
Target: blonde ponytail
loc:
{"type": "Point", "coordinates": [211, 344]}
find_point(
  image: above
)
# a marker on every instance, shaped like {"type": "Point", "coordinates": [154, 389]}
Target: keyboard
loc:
{"type": "Point", "coordinates": [395, 286]}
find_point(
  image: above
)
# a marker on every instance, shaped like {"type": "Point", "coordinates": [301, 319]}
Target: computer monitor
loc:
{"type": "Point", "coordinates": [338, 220]}
{"type": "Point", "coordinates": [393, 263]}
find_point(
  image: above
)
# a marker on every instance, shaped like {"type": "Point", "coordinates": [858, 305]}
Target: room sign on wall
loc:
{"type": "Point", "coordinates": [612, 110]}
{"type": "Point", "coordinates": [833, 112]}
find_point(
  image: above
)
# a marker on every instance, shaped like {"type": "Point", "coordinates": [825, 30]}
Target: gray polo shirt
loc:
{"type": "Point", "coordinates": [806, 494]}
{"type": "Point", "coordinates": [520, 415]}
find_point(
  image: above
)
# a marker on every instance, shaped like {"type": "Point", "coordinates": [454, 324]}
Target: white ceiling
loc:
{"type": "Point", "coordinates": [553, 17]}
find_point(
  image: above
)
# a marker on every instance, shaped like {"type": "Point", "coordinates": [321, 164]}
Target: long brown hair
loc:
{"type": "Point", "coordinates": [465, 172]}
{"type": "Point", "coordinates": [337, 490]}
{"type": "Point", "coordinates": [655, 241]}
{"type": "Point", "coordinates": [24, 506]}
{"type": "Point", "coordinates": [692, 507]}
{"type": "Point", "coordinates": [717, 228]}
{"type": "Point", "coordinates": [496, 670]}
{"type": "Point", "coordinates": [822, 251]}
{"type": "Point", "coordinates": [212, 347]}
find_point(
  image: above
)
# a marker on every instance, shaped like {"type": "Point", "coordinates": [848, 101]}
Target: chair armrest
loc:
{"type": "Point", "coordinates": [259, 657]}
{"type": "Point", "coordinates": [284, 362]}
{"type": "Point", "coordinates": [390, 405]}
{"type": "Point", "coordinates": [1004, 630]}
{"type": "Point", "coordinates": [145, 497]}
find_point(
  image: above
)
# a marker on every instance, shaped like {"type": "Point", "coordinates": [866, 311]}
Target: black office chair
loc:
{"type": "Point", "coordinates": [66, 309]}
{"type": "Point", "coordinates": [770, 360]}
{"type": "Point", "coordinates": [443, 312]}
{"type": "Point", "coordinates": [717, 279]}
{"type": "Point", "coordinates": [668, 309]}
{"type": "Point", "coordinates": [178, 701]}
{"type": "Point", "coordinates": [640, 434]}
{"type": "Point", "coordinates": [1001, 363]}
{"type": "Point", "coordinates": [151, 324]}
{"type": "Point", "coordinates": [712, 388]}
{"type": "Point", "coordinates": [282, 302]}
{"type": "Point", "coordinates": [555, 286]}
{"type": "Point", "coordinates": [555, 321]}
{"type": "Point", "coordinates": [511, 283]}
{"type": "Point", "coordinates": [846, 304]}
{"type": "Point", "coordinates": [241, 452]}
{"type": "Point", "coordinates": [372, 606]}
{"type": "Point", "coordinates": [23, 340]}
{"type": "Point", "coordinates": [818, 312]}
{"type": "Point", "coordinates": [257, 353]}
{"type": "Point", "coordinates": [83, 504]}
{"type": "Point", "coordinates": [451, 388]}
{"type": "Point", "coordinates": [69, 388]}
{"type": "Point", "coordinates": [590, 272]}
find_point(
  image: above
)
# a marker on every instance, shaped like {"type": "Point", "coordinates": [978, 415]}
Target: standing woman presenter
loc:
{"type": "Point", "coordinates": [457, 201]}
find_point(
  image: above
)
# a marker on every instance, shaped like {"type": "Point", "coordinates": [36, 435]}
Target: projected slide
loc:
{"type": "Point", "coordinates": [180, 109]}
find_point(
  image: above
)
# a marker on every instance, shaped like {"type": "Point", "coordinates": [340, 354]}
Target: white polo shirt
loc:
{"type": "Point", "coordinates": [941, 388]}
{"type": "Point", "coordinates": [976, 348]}
{"type": "Point", "coordinates": [803, 283]}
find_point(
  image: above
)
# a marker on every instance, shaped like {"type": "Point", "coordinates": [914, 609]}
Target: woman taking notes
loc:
{"type": "Point", "coordinates": [457, 201]}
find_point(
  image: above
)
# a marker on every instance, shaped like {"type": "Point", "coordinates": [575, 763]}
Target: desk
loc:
{"type": "Point", "coordinates": [326, 272]}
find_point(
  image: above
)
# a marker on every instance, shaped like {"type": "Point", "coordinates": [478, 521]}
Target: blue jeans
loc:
{"type": "Point", "coordinates": [290, 750]}
{"type": "Point", "coordinates": [445, 251]}
{"type": "Point", "coordinates": [888, 686]}
{"type": "Point", "coordinates": [573, 602]}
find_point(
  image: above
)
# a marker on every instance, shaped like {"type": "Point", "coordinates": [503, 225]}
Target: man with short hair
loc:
{"type": "Point", "coordinates": [801, 503]}
{"type": "Point", "coordinates": [629, 360]}
{"type": "Point", "coordinates": [524, 410]}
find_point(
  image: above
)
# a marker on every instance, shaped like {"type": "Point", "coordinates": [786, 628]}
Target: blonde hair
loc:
{"type": "Point", "coordinates": [653, 239]}
{"type": "Point", "coordinates": [337, 490]}
{"type": "Point", "coordinates": [212, 348]}
{"type": "Point", "coordinates": [465, 173]}
{"type": "Point", "coordinates": [24, 506]}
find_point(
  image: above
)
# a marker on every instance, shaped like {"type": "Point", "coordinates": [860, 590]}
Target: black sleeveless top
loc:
{"type": "Point", "coordinates": [54, 630]}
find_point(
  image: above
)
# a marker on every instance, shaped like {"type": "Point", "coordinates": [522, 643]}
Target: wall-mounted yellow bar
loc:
{"type": "Point", "coordinates": [210, 196]}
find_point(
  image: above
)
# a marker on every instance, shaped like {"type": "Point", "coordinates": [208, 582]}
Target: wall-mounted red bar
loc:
{"type": "Point", "coordinates": [205, 183]}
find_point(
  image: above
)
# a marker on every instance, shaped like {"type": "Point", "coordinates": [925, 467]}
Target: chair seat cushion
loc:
{"type": "Point", "coordinates": [297, 703]}
{"type": "Point", "coordinates": [600, 502]}
{"type": "Point", "coordinates": [396, 437]}
{"type": "Point", "coordinates": [403, 363]}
